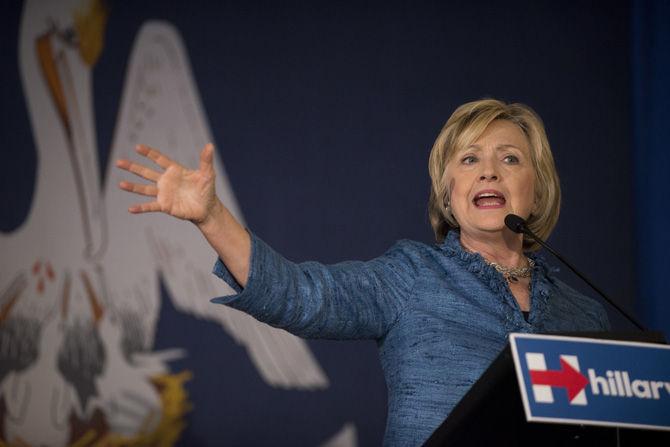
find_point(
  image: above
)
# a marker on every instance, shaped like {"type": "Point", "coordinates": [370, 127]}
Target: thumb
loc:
{"type": "Point", "coordinates": [207, 158]}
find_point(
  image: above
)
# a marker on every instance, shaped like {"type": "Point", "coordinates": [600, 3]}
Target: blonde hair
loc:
{"type": "Point", "coordinates": [462, 129]}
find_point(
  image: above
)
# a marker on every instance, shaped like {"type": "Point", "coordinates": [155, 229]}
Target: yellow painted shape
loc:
{"type": "Point", "coordinates": [89, 22]}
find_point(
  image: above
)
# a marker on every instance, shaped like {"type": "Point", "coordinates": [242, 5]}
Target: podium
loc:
{"type": "Point", "coordinates": [492, 413]}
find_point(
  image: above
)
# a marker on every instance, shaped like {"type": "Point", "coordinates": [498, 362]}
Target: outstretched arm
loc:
{"type": "Point", "coordinates": [190, 195]}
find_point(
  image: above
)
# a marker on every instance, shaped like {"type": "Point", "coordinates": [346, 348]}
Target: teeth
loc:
{"type": "Point", "coordinates": [486, 195]}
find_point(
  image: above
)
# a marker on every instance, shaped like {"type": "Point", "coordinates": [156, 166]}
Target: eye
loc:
{"type": "Point", "coordinates": [69, 36]}
{"type": "Point", "coordinates": [469, 159]}
{"type": "Point", "coordinates": [511, 159]}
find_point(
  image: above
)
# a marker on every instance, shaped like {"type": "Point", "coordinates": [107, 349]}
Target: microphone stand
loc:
{"type": "Point", "coordinates": [518, 225]}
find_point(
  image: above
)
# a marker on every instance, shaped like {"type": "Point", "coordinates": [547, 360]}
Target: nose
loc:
{"type": "Point", "coordinates": [489, 171]}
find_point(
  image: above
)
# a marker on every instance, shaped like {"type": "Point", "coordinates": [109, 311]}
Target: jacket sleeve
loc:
{"type": "Point", "coordinates": [349, 300]}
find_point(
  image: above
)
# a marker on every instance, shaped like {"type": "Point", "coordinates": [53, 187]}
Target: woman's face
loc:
{"type": "Point", "coordinates": [491, 178]}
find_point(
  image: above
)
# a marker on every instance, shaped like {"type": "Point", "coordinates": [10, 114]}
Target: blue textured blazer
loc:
{"type": "Point", "coordinates": [439, 314]}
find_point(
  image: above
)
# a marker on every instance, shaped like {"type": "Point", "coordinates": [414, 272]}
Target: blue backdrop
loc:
{"type": "Point", "coordinates": [324, 115]}
{"type": "Point", "coordinates": [651, 120]}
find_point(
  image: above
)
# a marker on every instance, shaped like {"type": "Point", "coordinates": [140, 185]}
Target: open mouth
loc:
{"type": "Point", "coordinates": [489, 199]}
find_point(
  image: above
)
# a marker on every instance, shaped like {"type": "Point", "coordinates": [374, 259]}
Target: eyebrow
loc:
{"type": "Point", "coordinates": [498, 147]}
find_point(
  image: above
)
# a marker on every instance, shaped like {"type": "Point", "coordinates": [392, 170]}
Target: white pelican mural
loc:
{"type": "Point", "coordinates": [79, 280]}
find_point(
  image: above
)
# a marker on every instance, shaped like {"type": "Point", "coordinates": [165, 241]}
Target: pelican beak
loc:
{"type": "Point", "coordinates": [66, 296]}
{"type": "Point", "coordinates": [64, 56]}
{"type": "Point", "coordinates": [45, 55]}
{"type": "Point", "coordinates": [12, 295]}
{"type": "Point", "coordinates": [96, 308]}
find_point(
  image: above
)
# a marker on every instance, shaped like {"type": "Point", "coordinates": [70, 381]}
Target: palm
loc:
{"type": "Point", "coordinates": [178, 191]}
{"type": "Point", "coordinates": [184, 193]}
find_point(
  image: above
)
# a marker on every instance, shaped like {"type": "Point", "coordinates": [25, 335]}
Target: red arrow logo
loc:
{"type": "Point", "coordinates": [567, 377]}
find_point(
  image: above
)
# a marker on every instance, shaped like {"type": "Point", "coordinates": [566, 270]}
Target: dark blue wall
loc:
{"type": "Point", "coordinates": [651, 102]}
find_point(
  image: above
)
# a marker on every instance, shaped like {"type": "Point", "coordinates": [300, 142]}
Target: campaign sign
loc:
{"type": "Point", "coordinates": [594, 382]}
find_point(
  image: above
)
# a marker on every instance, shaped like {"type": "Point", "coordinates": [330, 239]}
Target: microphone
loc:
{"type": "Point", "coordinates": [518, 225]}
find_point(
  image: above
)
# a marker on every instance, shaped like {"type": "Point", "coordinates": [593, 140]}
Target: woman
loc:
{"type": "Point", "coordinates": [440, 313]}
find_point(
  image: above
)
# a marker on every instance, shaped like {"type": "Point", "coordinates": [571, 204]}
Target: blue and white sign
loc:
{"type": "Point", "coordinates": [596, 382]}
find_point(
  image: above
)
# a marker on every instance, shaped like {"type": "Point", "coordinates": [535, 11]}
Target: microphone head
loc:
{"type": "Point", "coordinates": [515, 223]}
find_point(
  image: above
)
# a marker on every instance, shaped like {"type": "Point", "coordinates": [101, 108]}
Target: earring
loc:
{"type": "Point", "coordinates": [447, 210]}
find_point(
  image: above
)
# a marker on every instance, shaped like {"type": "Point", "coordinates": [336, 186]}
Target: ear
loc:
{"type": "Point", "coordinates": [447, 193]}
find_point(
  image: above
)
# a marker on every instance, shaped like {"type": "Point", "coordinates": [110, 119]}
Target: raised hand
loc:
{"type": "Point", "coordinates": [189, 194]}
{"type": "Point", "coordinates": [180, 192]}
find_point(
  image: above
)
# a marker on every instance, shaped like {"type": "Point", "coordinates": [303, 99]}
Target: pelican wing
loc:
{"type": "Point", "coordinates": [161, 107]}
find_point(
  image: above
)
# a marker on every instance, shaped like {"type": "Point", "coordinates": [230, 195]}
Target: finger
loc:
{"type": "Point", "coordinates": [152, 154]}
{"type": "Point", "coordinates": [138, 169]}
{"type": "Point", "coordinates": [138, 188]}
{"type": "Point", "coordinates": [148, 207]}
{"type": "Point", "coordinates": [207, 157]}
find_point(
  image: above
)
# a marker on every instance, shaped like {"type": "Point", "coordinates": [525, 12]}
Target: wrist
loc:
{"type": "Point", "coordinates": [213, 219]}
